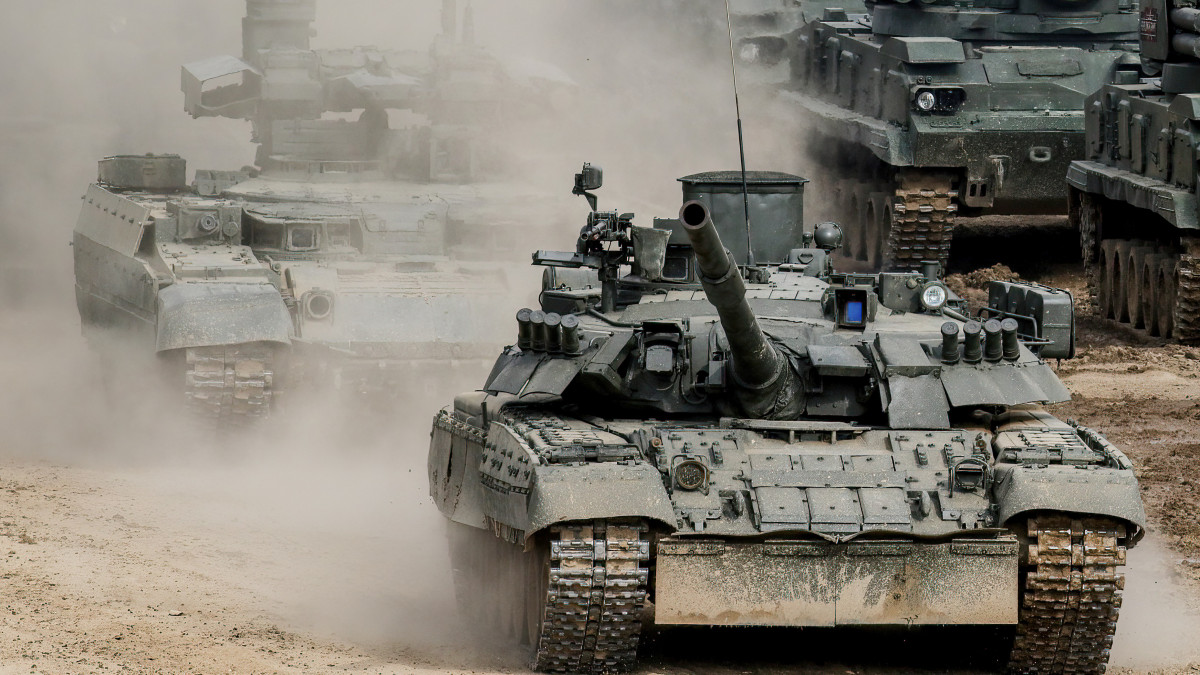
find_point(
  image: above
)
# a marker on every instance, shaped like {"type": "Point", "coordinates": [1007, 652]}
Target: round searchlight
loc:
{"type": "Point", "coordinates": [933, 296]}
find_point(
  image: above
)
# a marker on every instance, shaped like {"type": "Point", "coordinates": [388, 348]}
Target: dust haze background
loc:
{"type": "Point", "coordinates": [342, 502]}
{"type": "Point", "coordinates": [350, 544]}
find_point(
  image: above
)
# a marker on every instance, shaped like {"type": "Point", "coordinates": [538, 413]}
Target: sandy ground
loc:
{"type": "Point", "coordinates": [126, 546]}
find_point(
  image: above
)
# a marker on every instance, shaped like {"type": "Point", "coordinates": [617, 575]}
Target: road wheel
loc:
{"type": "Point", "coordinates": [1104, 288]}
{"type": "Point", "coordinates": [1165, 295]}
{"type": "Point", "coordinates": [1135, 264]}
{"type": "Point", "coordinates": [1119, 281]}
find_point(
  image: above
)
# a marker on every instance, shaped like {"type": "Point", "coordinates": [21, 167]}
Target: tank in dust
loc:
{"type": "Point", "coordinates": [779, 445]}
{"type": "Point", "coordinates": [1133, 196]}
{"type": "Point", "coordinates": [761, 30]}
{"type": "Point", "coordinates": [345, 255]}
{"type": "Point", "coordinates": [929, 111]}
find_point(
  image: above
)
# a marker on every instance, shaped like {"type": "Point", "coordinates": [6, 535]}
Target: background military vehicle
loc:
{"type": "Point", "coordinates": [340, 255]}
{"type": "Point", "coordinates": [761, 29]}
{"type": "Point", "coordinates": [777, 445]}
{"type": "Point", "coordinates": [1133, 197]}
{"type": "Point", "coordinates": [927, 111]}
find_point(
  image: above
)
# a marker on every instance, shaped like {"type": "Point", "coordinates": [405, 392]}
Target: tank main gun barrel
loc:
{"type": "Point", "coordinates": [766, 385]}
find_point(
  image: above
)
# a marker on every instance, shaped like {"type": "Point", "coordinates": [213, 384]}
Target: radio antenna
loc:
{"type": "Point", "coordinates": [741, 143]}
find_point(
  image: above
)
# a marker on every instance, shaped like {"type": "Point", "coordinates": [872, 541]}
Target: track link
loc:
{"type": "Point", "coordinates": [1085, 213]}
{"type": "Point", "coordinates": [230, 384]}
{"type": "Point", "coordinates": [1187, 299]}
{"type": "Point", "coordinates": [923, 212]}
{"type": "Point", "coordinates": [592, 619]}
{"type": "Point", "coordinates": [1071, 596]}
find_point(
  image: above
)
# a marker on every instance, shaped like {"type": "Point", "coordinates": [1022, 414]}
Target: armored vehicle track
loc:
{"type": "Point", "coordinates": [575, 599]}
{"type": "Point", "coordinates": [1072, 594]}
{"type": "Point", "coordinates": [592, 606]}
{"type": "Point", "coordinates": [898, 226]}
{"type": "Point", "coordinates": [922, 224]}
{"type": "Point", "coordinates": [1149, 284]}
{"type": "Point", "coordinates": [230, 383]}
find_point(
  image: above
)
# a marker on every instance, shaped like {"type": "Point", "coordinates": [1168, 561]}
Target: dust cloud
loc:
{"type": "Point", "coordinates": [321, 520]}
{"type": "Point", "coordinates": [654, 98]}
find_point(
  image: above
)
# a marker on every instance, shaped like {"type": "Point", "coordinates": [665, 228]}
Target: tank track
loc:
{"type": "Point", "coordinates": [923, 213]}
{"type": "Point", "coordinates": [1084, 211]}
{"type": "Point", "coordinates": [1174, 287]}
{"type": "Point", "coordinates": [1072, 594]}
{"type": "Point", "coordinates": [230, 384]}
{"type": "Point", "coordinates": [1187, 299]}
{"type": "Point", "coordinates": [592, 619]}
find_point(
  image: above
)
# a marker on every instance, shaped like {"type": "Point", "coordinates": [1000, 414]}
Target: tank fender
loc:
{"type": "Point", "coordinates": [205, 314]}
{"type": "Point", "coordinates": [563, 492]}
{"type": "Point", "coordinates": [455, 447]}
{"type": "Point", "coordinates": [888, 142]}
{"type": "Point", "coordinates": [1097, 491]}
{"type": "Point", "coordinates": [526, 490]}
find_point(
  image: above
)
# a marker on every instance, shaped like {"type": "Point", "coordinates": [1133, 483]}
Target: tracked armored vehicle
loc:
{"type": "Point", "coordinates": [349, 254]}
{"type": "Point", "coordinates": [761, 29]}
{"type": "Point", "coordinates": [930, 111]}
{"type": "Point", "coordinates": [1133, 197]}
{"type": "Point", "coordinates": [776, 445]}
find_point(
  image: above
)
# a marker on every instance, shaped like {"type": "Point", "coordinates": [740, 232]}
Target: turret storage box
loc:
{"type": "Point", "coordinates": [144, 172]}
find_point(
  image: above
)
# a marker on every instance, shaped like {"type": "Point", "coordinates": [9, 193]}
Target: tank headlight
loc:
{"type": "Point", "coordinates": [933, 296]}
{"type": "Point", "coordinates": [939, 100]}
{"type": "Point", "coordinates": [318, 305]}
{"type": "Point", "coordinates": [691, 474]}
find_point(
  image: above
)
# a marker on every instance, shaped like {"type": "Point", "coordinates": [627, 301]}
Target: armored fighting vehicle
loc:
{"type": "Point", "coordinates": [761, 29]}
{"type": "Point", "coordinates": [339, 256]}
{"type": "Point", "coordinates": [776, 445]}
{"type": "Point", "coordinates": [927, 111]}
{"type": "Point", "coordinates": [1133, 196]}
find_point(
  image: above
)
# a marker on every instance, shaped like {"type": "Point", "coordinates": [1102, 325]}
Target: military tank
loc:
{"type": "Point", "coordinates": [678, 437]}
{"type": "Point", "coordinates": [930, 111]}
{"type": "Point", "coordinates": [1133, 195]}
{"type": "Point", "coordinates": [339, 257]}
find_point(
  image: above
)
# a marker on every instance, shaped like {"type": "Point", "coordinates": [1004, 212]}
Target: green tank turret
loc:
{"type": "Point", "coordinates": [776, 444]}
